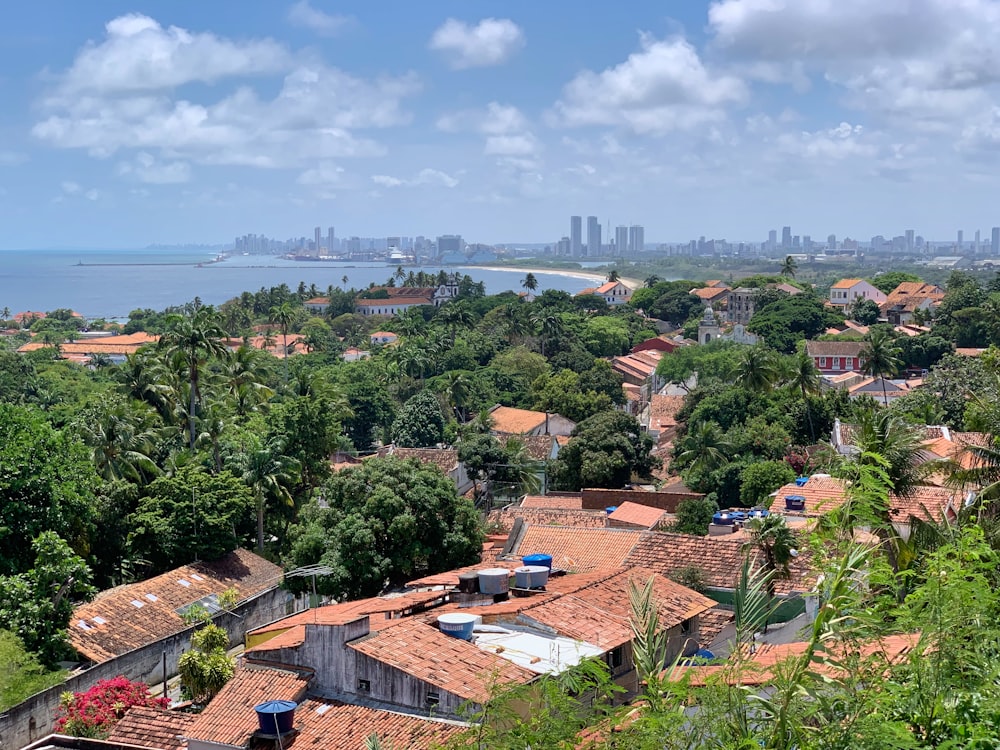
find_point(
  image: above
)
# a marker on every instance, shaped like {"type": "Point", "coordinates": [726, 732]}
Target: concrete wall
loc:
{"type": "Point", "coordinates": [599, 499]}
{"type": "Point", "coordinates": [34, 718]}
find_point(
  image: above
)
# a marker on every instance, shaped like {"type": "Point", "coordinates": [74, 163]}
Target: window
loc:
{"type": "Point", "coordinates": [616, 657]}
{"type": "Point", "coordinates": [433, 699]}
{"type": "Point", "coordinates": [687, 626]}
{"type": "Point", "coordinates": [364, 686]}
{"type": "Point", "coordinates": [822, 361]}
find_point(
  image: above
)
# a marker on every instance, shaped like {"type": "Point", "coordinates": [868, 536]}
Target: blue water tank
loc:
{"type": "Point", "coordinates": [538, 559]}
{"type": "Point", "coordinates": [275, 717]}
{"type": "Point", "coordinates": [704, 653]}
{"type": "Point", "coordinates": [611, 509]}
{"type": "Point", "coordinates": [801, 481]}
{"type": "Point", "coordinates": [758, 513]}
{"type": "Point", "coordinates": [457, 625]}
{"type": "Point", "coordinates": [795, 502]}
{"type": "Point", "coordinates": [723, 518]}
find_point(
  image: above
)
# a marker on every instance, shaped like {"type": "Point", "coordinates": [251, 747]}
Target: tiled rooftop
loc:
{"type": "Point", "coordinates": [152, 727]}
{"type": "Point", "coordinates": [927, 504]}
{"type": "Point", "coordinates": [578, 549]}
{"type": "Point", "coordinates": [516, 421]}
{"type": "Point", "coordinates": [229, 718]}
{"type": "Point", "coordinates": [538, 447]}
{"type": "Point", "coordinates": [127, 617]}
{"type": "Point", "coordinates": [445, 459]}
{"type": "Point", "coordinates": [553, 502]}
{"type": "Point", "coordinates": [454, 665]}
{"type": "Point", "coordinates": [504, 518]}
{"type": "Point", "coordinates": [331, 725]}
{"type": "Point", "coordinates": [633, 514]}
{"type": "Point", "coordinates": [822, 495]}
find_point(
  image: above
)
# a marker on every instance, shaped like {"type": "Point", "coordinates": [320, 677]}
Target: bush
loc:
{"type": "Point", "coordinates": [94, 713]}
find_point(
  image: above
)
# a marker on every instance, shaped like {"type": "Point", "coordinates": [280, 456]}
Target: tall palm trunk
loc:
{"type": "Point", "coordinates": [260, 521]}
{"type": "Point", "coordinates": [192, 432]}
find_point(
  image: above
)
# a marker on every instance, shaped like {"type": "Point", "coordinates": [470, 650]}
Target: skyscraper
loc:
{"type": "Point", "coordinates": [593, 237]}
{"type": "Point", "coordinates": [319, 239]}
{"type": "Point", "coordinates": [786, 238]}
{"type": "Point", "coordinates": [772, 240]}
{"type": "Point", "coordinates": [909, 240]}
{"type": "Point", "coordinates": [960, 238]}
{"type": "Point", "coordinates": [995, 242]}
{"type": "Point", "coordinates": [621, 240]}
{"type": "Point", "coordinates": [978, 239]}
{"type": "Point", "coordinates": [636, 239]}
{"type": "Point", "coordinates": [330, 240]}
{"type": "Point", "coordinates": [575, 236]}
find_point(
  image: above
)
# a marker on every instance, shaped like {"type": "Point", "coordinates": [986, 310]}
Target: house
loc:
{"type": "Point", "coordinates": [114, 348]}
{"type": "Point", "coordinates": [317, 304]}
{"type": "Point", "coordinates": [383, 338]}
{"type": "Point", "coordinates": [846, 291]}
{"type": "Point", "coordinates": [639, 369]}
{"type": "Point", "coordinates": [712, 295]}
{"type": "Point", "coordinates": [353, 354]}
{"type": "Point", "coordinates": [835, 357]}
{"type": "Point", "coordinates": [909, 298]}
{"type": "Point", "coordinates": [392, 300]}
{"type": "Point", "coordinates": [661, 343]}
{"type": "Point", "coordinates": [631, 515]}
{"type": "Point", "coordinates": [659, 418]}
{"type": "Point", "coordinates": [612, 292]}
{"type": "Point", "coordinates": [511, 421]}
{"type": "Point", "coordinates": [883, 390]}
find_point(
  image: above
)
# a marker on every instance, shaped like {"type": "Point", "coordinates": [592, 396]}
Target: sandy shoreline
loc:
{"type": "Point", "coordinates": [572, 273]}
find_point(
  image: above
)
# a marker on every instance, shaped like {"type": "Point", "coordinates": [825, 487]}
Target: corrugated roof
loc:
{"type": "Point", "coordinates": [128, 617]}
{"type": "Point", "coordinates": [454, 665]}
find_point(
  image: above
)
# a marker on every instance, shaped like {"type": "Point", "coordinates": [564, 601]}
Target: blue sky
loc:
{"type": "Point", "coordinates": [129, 123]}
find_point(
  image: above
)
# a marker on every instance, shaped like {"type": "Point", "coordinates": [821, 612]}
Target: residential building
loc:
{"type": "Point", "coordinates": [621, 240]}
{"type": "Point", "coordinates": [712, 295]}
{"type": "Point", "coordinates": [593, 237]}
{"type": "Point", "coordinates": [740, 304]}
{"type": "Point", "coordinates": [506, 420]}
{"type": "Point", "coordinates": [661, 343]}
{"type": "Point", "coordinates": [612, 292]}
{"type": "Point", "coordinates": [383, 338]}
{"type": "Point", "coordinates": [910, 297]}
{"type": "Point", "coordinates": [575, 236]}
{"type": "Point", "coordinates": [391, 301]}
{"type": "Point", "coordinates": [114, 348]}
{"type": "Point", "coordinates": [846, 291]}
{"type": "Point", "coordinates": [835, 357]}
{"type": "Point", "coordinates": [317, 304]}
{"type": "Point", "coordinates": [636, 239]}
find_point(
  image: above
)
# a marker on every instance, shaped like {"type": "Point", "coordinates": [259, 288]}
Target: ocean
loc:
{"type": "Point", "coordinates": [111, 283]}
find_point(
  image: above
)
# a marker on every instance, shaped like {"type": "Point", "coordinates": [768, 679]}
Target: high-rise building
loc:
{"type": "Point", "coordinates": [786, 237]}
{"type": "Point", "coordinates": [331, 240]}
{"type": "Point", "coordinates": [995, 242]}
{"type": "Point", "coordinates": [576, 236]}
{"type": "Point", "coordinates": [772, 240]}
{"type": "Point", "coordinates": [393, 243]}
{"type": "Point", "coordinates": [909, 240]}
{"type": "Point", "coordinates": [960, 238]}
{"type": "Point", "coordinates": [449, 243]}
{"type": "Point", "coordinates": [621, 240]}
{"type": "Point", "coordinates": [831, 242]}
{"type": "Point", "coordinates": [593, 237]}
{"type": "Point", "coordinates": [563, 247]}
{"type": "Point", "coordinates": [636, 239]}
{"type": "Point", "coordinates": [978, 237]}
{"type": "Point", "coordinates": [318, 239]}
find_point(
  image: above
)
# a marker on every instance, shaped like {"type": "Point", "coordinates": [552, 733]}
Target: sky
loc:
{"type": "Point", "coordinates": [127, 123]}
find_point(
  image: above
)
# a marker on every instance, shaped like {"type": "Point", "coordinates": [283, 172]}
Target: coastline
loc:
{"type": "Point", "coordinates": [575, 273]}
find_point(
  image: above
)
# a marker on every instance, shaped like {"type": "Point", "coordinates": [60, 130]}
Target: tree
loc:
{"type": "Point", "coordinates": [864, 311]}
{"type": "Point", "coordinates": [284, 315]}
{"type": "Point", "coordinates": [372, 410]}
{"type": "Point", "coordinates": [23, 675]}
{"type": "Point", "coordinates": [652, 280]}
{"type": "Point", "coordinates": [777, 545]}
{"type": "Point", "coordinates": [119, 440]}
{"type": "Point", "coordinates": [757, 370]}
{"type": "Point", "coordinates": [530, 282]}
{"type": "Point", "coordinates": [762, 478]}
{"type": "Point", "coordinates": [192, 341]}
{"type": "Point", "coordinates": [420, 423]}
{"type": "Point", "coordinates": [789, 267]}
{"type": "Point", "coordinates": [804, 377]}
{"type": "Point", "coordinates": [604, 451]}
{"type": "Point", "coordinates": [206, 668]}
{"type": "Point", "coordinates": [881, 357]}
{"type": "Point", "coordinates": [704, 448]}
{"type": "Point", "coordinates": [694, 516]}
{"type": "Point", "coordinates": [613, 275]}
{"type": "Point", "coordinates": [191, 515]}
{"type": "Point", "coordinates": [269, 474]}
{"type": "Point", "coordinates": [95, 712]}
{"type": "Point", "coordinates": [886, 282]}
{"type": "Point", "coordinates": [37, 605]}
{"type": "Point", "coordinates": [789, 318]}
{"type": "Point", "coordinates": [389, 520]}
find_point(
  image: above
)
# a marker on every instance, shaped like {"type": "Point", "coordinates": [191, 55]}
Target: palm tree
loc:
{"type": "Point", "coordinates": [455, 315]}
{"type": "Point", "coordinates": [704, 447]}
{"type": "Point", "coordinates": [283, 315]}
{"type": "Point", "coordinates": [119, 443]}
{"type": "Point", "coordinates": [757, 370]}
{"type": "Point", "coordinates": [530, 282]}
{"type": "Point", "coordinates": [548, 326]}
{"type": "Point", "coordinates": [343, 280]}
{"type": "Point", "coordinates": [513, 322]}
{"type": "Point", "coordinates": [5, 313]}
{"type": "Point", "coordinates": [881, 432]}
{"type": "Point", "coordinates": [400, 274]}
{"type": "Point", "coordinates": [789, 267]}
{"type": "Point", "coordinates": [193, 340]}
{"type": "Point", "coordinates": [881, 357]}
{"type": "Point", "coordinates": [269, 474]}
{"type": "Point", "coordinates": [613, 276]}
{"type": "Point", "coordinates": [776, 544]}
{"type": "Point", "coordinates": [456, 388]}
{"type": "Point", "coordinates": [652, 280]}
{"type": "Point", "coordinates": [213, 425]}
{"type": "Point", "coordinates": [805, 378]}
{"type": "Point", "coordinates": [522, 469]}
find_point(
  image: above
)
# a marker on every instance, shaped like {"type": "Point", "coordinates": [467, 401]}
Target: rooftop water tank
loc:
{"type": "Point", "coordinates": [531, 576]}
{"type": "Point", "coordinates": [795, 502]}
{"type": "Point", "coordinates": [611, 509]}
{"type": "Point", "coordinates": [538, 559]}
{"type": "Point", "coordinates": [494, 581]}
{"type": "Point", "coordinates": [275, 717]}
{"type": "Point", "coordinates": [723, 518]}
{"type": "Point", "coordinates": [468, 583]}
{"type": "Point", "coordinates": [758, 513]}
{"type": "Point", "coordinates": [457, 625]}
{"type": "Point", "coordinates": [801, 481]}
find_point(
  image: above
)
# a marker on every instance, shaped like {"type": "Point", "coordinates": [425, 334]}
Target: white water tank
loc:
{"type": "Point", "coordinates": [531, 576]}
{"type": "Point", "coordinates": [494, 581]}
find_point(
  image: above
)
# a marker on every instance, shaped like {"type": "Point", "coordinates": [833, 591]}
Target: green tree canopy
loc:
{"type": "Point", "coordinates": [420, 423]}
{"type": "Point", "coordinates": [604, 451]}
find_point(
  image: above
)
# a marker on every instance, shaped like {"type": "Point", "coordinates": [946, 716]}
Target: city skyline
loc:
{"type": "Point", "coordinates": [128, 123]}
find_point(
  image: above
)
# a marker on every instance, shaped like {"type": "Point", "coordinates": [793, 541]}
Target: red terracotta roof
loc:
{"type": "Point", "coordinates": [152, 727]}
{"type": "Point", "coordinates": [395, 301]}
{"type": "Point", "coordinates": [450, 577]}
{"type": "Point", "coordinates": [516, 421]}
{"type": "Point", "coordinates": [822, 495]}
{"type": "Point", "coordinates": [925, 503]}
{"type": "Point", "coordinates": [445, 459]}
{"type": "Point", "coordinates": [633, 514]}
{"type": "Point", "coordinates": [329, 724]}
{"type": "Point", "coordinates": [578, 549]}
{"type": "Point", "coordinates": [712, 623]}
{"type": "Point", "coordinates": [663, 411]}
{"type": "Point", "coordinates": [710, 293]}
{"type": "Point", "coordinates": [553, 502]}
{"type": "Point", "coordinates": [229, 719]}
{"type": "Point", "coordinates": [454, 665]}
{"type": "Point", "coordinates": [586, 519]}
{"type": "Point", "coordinates": [127, 617]}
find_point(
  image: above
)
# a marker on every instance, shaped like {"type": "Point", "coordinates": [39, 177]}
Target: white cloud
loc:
{"type": "Point", "coordinates": [312, 117]}
{"type": "Point", "coordinates": [138, 54]}
{"type": "Point", "coordinates": [324, 24]}
{"type": "Point", "coordinates": [495, 119]}
{"type": "Point", "coordinates": [425, 177]}
{"type": "Point", "coordinates": [326, 173]}
{"type": "Point", "coordinates": [831, 145]}
{"type": "Point", "coordinates": [92, 195]}
{"type": "Point", "coordinates": [663, 87]}
{"type": "Point", "coordinates": [511, 145]}
{"type": "Point", "coordinates": [490, 42]}
{"type": "Point", "coordinates": [69, 187]}
{"type": "Point", "coordinates": [147, 168]}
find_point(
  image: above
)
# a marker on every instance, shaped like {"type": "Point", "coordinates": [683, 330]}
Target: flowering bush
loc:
{"type": "Point", "coordinates": [95, 712]}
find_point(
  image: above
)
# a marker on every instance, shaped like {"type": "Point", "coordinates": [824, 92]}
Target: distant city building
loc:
{"type": "Point", "coordinates": [831, 242]}
{"type": "Point", "coordinates": [978, 238]}
{"type": "Point", "coordinates": [593, 237]}
{"type": "Point", "coordinates": [786, 237]}
{"type": "Point", "coordinates": [318, 239]}
{"type": "Point", "coordinates": [331, 240]}
{"type": "Point", "coordinates": [563, 247]}
{"type": "Point", "coordinates": [449, 244]}
{"type": "Point", "coordinates": [772, 240]}
{"type": "Point", "coordinates": [621, 240]}
{"type": "Point", "coordinates": [960, 238]}
{"type": "Point", "coordinates": [995, 242]}
{"type": "Point", "coordinates": [636, 239]}
{"type": "Point", "coordinates": [576, 236]}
